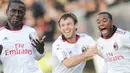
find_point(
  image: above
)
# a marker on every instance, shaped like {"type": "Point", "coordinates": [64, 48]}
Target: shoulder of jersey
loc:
{"type": "Point", "coordinates": [1, 28]}
{"type": "Point", "coordinates": [83, 35]}
{"type": "Point", "coordinates": [58, 40]}
{"type": "Point", "coordinates": [120, 31]}
{"type": "Point", "coordinates": [27, 27]}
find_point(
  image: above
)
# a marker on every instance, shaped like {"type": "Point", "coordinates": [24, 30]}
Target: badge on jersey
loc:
{"type": "Point", "coordinates": [84, 49]}
{"type": "Point", "coordinates": [115, 46]}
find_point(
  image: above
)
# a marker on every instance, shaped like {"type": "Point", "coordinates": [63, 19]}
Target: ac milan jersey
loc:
{"type": "Point", "coordinates": [62, 49]}
{"type": "Point", "coordinates": [18, 55]}
{"type": "Point", "coordinates": [116, 52]}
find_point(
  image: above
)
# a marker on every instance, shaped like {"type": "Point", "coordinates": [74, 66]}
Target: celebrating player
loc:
{"type": "Point", "coordinates": [19, 44]}
{"type": "Point", "coordinates": [114, 45]}
{"type": "Point", "coordinates": [71, 49]}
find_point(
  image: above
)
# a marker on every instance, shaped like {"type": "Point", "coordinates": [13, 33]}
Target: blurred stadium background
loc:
{"type": "Point", "coordinates": [43, 15]}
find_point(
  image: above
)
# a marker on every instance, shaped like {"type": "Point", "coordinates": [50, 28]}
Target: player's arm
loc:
{"type": "Point", "coordinates": [63, 56]}
{"type": "Point", "coordinates": [75, 60]}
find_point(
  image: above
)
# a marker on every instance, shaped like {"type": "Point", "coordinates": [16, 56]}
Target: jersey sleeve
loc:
{"type": "Point", "coordinates": [59, 52]}
{"type": "Point", "coordinates": [36, 54]}
{"type": "Point", "coordinates": [98, 45]}
{"type": "Point", "coordinates": [104, 68]}
{"type": "Point", "coordinates": [100, 64]}
{"type": "Point", "coordinates": [126, 40]}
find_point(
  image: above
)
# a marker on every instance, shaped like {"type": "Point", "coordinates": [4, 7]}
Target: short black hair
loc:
{"type": "Point", "coordinates": [108, 14]}
{"type": "Point", "coordinates": [66, 15]}
{"type": "Point", "coordinates": [15, 1]}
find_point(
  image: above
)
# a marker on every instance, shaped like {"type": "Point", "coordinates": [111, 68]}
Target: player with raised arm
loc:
{"type": "Point", "coordinates": [19, 44]}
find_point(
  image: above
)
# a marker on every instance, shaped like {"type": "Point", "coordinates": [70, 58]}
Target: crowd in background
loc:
{"type": "Point", "coordinates": [44, 14]}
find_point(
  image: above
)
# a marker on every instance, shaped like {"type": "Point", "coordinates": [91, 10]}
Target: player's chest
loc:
{"type": "Point", "coordinates": [110, 47]}
{"type": "Point", "coordinates": [75, 49]}
{"type": "Point", "coordinates": [15, 44]}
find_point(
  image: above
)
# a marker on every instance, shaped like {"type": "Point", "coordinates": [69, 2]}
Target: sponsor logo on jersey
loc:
{"type": "Point", "coordinates": [115, 58]}
{"type": "Point", "coordinates": [115, 46]}
{"type": "Point", "coordinates": [111, 57]}
{"type": "Point", "coordinates": [17, 51]}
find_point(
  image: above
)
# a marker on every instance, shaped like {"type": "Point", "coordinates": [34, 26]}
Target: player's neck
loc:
{"type": "Point", "coordinates": [72, 40]}
{"type": "Point", "coordinates": [112, 31]}
{"type": "Point", "coordinates": [10, 27]}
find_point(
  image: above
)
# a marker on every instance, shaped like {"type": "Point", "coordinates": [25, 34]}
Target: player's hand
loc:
{"type": "Point", "coordinates": [91, 51]}
{"type": "Point", "coordinates": [39, 45]}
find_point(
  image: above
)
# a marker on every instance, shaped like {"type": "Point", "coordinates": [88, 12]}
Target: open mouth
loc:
{"type": "Point", "coordinates": [15, 22]}
{"type": "Point", "coordinates": [67, 32]}
{"type": "Point", "coordinates": [103, 30]}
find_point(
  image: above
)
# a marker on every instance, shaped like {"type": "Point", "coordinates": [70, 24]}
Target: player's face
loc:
{"type": "Point", "coordinates": [16, 14]}
{"type": "Point", "coordinates": [68, 28]}
{"type": "Point", "coordinates": [104, 25]}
